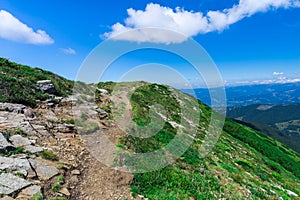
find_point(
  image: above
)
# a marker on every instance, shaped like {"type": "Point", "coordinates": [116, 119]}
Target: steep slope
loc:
{"type": "Point", "coordinates": [243, 164]}
{"type": "Point", "coordinates": [17, 83]}
{"type": "Point", "coordinates": [281, 122]}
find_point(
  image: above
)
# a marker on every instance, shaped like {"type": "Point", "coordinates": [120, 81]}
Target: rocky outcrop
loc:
{"type": "Point", "coordinates": [45, 86]}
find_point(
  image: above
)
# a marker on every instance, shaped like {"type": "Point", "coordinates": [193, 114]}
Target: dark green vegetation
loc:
{"type": "Point", "coordinates": [17, 83]}
{"type": "Point", "coordinates": [243, 164]}
{"type": "Point", "coordinates": [281, 122]}
{"type": "Point", "coordinates": [48, 155]}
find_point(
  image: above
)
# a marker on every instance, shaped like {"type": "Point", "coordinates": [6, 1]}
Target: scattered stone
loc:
{"type": "Point", "coordinates": [75, 172]}
{"type": "Point", "coordinates": [74, 179]}
{"type": "Point", "coordinates": [291, 193]}
{"type": "Point", "coordinates": [65, 128]}
{"type": "Point", "coordinates": [15, 165]}
{"type": "Point", "coordinates": [29, 192]}
{"type": "Point", "coordinates": [65, 191]}
{"type": "Point", "coordinates": [50, 105]}
{"type": "Point", "coordinates": [100, 90]}
{"type": "Point", "coordinates": [10, 183]}
{"type": "Point", "coordinates": [19, 141]}
{"type": "Point", "coordinates": [44, 169]}
{"type": "Point", "coordinates": [102, 113]}
{"type": "Point", "coordinates": [29, 113]}
{"type": "Point", "coordinates": [4, 144]}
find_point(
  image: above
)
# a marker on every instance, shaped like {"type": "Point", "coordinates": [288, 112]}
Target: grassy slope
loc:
{"type": "Point", "coordinates": [281, 122]}
{"type": "Point", "coordinates": [17, 83]}
{"type": "Point", "coordinates": [243, 164]}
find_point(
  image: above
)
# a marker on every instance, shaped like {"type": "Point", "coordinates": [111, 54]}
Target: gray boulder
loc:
{"type": "Point", "coordinates": [45, 86]}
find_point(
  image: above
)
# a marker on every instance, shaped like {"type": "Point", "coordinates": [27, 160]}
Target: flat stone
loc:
{"type": "Point", "coordinates": [33, 149]}
{"type": "Point", "coordinates": [15, 165]}
{"type": "Point", "coordinates": [75, 172]}
{"type": "Point", "coordinates": [29, 192]}
{"type": "Point", "coordinates": [4, 144]}
{"type": "Point", "coordinates": [19, 141]}
{"type": "Point", "coordinates": [65, 191]}
{"type": "Point", "coordinates": [10, 183]}
{"type": "Point", "coordinates": [44, 169]}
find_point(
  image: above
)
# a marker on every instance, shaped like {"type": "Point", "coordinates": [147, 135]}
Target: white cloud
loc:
{"type": "Point", "coordinates": [277, 73]}
{"type": "Point", "coordinates": [188, 23]}
{"type": "Point", "coordinates": [13, 29]}
{"type": "Point", "coordinates": [68, 51]}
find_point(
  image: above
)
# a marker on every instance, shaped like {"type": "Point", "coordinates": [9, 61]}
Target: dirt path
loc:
{"type": "Point", "coordinates": [99, 181]}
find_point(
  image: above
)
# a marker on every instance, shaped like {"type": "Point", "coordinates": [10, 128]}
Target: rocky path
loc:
{"type": "Point", "coordinates": [42, 156]}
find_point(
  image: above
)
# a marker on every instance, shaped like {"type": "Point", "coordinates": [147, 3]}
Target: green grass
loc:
{"type": "Point", "coordinates": [48, 155]}
{"type": "Point", "coordinates": [56, 187]}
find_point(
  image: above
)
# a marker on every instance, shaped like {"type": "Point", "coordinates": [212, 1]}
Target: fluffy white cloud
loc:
{"type": "Point", "coordinates": [277, 73]}
{"type": "Point", "coordinates": [68, 51]}
{"type": "Point", "coordinates": [13, 29]}
{"type": "Point", "coordinates": [188, 23]}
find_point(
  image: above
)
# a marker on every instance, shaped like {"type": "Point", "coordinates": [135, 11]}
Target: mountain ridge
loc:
{"type": "Point", "coordinates": [244, 163]}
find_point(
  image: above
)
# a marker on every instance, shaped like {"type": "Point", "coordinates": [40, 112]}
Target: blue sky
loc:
{"type": "Point", "coordinates": [257, 42]}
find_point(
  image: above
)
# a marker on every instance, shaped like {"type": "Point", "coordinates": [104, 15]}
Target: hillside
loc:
{"type": "Point", "coordinates": [243, 163]}
{"type": "Point", "coordinates": [281, 122]}
{"type": "Point", "coordinates": [17, 83]}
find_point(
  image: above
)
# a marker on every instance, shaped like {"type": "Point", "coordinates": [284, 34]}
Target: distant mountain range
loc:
{"type": "Point", "coordinates": [288, 93]}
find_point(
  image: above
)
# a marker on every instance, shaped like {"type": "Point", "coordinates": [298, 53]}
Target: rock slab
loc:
{"type": "Point", "coordinates": [10, 183]}
{"type": "Point", "coordinates": [44, 169]}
